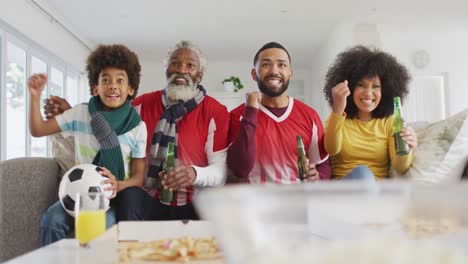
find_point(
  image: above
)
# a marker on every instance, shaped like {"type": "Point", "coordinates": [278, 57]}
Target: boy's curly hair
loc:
{"type": "Point", "coordinates": [116, 56]}
{"type": "Point", "coordinates": [361, 62]}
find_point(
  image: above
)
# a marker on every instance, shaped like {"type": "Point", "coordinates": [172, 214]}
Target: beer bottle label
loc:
{"type": "Point", "coordinates": [168, 195]}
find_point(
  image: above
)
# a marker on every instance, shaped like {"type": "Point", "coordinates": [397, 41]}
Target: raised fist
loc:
{"type": "Point", "coordinates": [253, 99]}
{"type": "Point", "coordinates": [340, 92]}
{"type": "Point", "coordinates": [36, 84]}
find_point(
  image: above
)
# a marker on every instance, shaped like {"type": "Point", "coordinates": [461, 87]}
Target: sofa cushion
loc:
{"type": "Point", "coordinates": [442, 152]}
{"type": "Point", "coordinates": [28, 186]}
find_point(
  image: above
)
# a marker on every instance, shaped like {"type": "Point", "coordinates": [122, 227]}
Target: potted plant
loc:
{"type": "Point", "coordinates": [233, 83]}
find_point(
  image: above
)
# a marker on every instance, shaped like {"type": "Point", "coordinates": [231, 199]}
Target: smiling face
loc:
{"type": "Point", "coordinates": [113, 88]}
{"type": "Point", "coordinates": [366, 96]}
{"type": "Point", "coordinates": [183, 74]}
{"type": "Point", "coordinates": [272, 72]}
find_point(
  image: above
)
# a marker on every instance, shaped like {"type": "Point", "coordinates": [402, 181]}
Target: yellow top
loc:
{"type": "Point", "coordinates": [351, 142]}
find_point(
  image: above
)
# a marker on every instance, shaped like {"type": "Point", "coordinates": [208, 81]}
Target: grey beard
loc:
{"type": "Point", "coordinates": [183, 93]}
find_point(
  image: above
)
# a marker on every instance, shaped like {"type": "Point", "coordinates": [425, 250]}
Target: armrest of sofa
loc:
{"type": "Point", "coordinates": [28, 186]}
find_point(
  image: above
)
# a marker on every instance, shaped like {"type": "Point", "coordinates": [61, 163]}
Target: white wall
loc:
{"type": "Point", "coordinates": [339, 39]}
{"type": "Point", "coordinates": [153, 75]}
{"type": "Point", "coordinates": [27, 19]}
{"type": "Point", "coordinates": [447, 45]}
{"type": "Point", "coordinates": [153, 78]}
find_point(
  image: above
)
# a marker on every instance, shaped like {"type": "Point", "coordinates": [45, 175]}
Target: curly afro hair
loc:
{"type": "Point", "coordinates": [116, 56]}
{"type": "Point", "coordinates": [361, 62]}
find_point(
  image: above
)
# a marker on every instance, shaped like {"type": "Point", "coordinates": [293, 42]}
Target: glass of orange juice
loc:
{"type": "Point", "coordinates": [90, 216]}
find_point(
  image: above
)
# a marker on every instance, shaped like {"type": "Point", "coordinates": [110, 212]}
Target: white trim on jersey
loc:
{"type": "Point", "coordinates": [283, 116]}
{"type": "Point", "coordinates": [138, 109]}
{"type": "Point", "coordinates": [314, 151]}
{"type": "Point", "coordinates": [215, 174]}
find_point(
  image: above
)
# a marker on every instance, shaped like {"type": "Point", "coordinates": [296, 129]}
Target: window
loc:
{"type": "Point", "coordinates": [2, 105]}
{"type": "Point", "coordinates": [20, 58]}
{"type": "Point", "coordinates": [72, 90]}
{"type": "Point", "coordinates": [56, 82]}
{"type": "Point", "coordinates": [15, 101]}
{"type": "Point", "coordinates": [39, 145]}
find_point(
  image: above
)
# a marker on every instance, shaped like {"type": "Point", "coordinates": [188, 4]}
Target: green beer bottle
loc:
{"type": "Point", "coordinates": [302, 160]}
{"type": "Point", "coordinates": [168, 195]}
{"type": "Point", "coordinates": [401, 147]}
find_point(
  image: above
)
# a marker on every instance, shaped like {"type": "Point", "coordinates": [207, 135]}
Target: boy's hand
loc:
{"type": "Point", "coordinates": [179, 178]}
{"type": "Point", "coordinates": [114, 184]}
{"type": "Point", "coordinates": [340, 92]}
{"type": "Point", "coordinates": [36, 84]}
{"type": "Point", "coordinates": [55, 105]}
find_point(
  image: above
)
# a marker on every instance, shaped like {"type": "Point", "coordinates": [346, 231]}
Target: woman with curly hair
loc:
{"type": "Point", "coordinates": [360, 87]}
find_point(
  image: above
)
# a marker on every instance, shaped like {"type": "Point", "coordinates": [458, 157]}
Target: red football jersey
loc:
{"type": "Point", "coordinates": [200, 133]}
{"type": "Point", "coordinates": [276, 145]}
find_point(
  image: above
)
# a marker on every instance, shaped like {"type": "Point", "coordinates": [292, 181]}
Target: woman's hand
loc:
{"type": "Point", "coordinates": [409, 136]}
{"type": "Point", "coordinates": [340, 92]}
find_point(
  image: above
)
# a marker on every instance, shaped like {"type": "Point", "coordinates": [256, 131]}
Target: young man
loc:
{"type": "Point", "coordinates": [198, 125]}
{"type": "Point", "coordinates": [263, 130]}
{"type": "Point", "coordinates": [107, 131]}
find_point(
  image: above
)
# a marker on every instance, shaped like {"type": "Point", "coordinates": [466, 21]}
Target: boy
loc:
{"type": "Point", "coordinates": [108, 131]}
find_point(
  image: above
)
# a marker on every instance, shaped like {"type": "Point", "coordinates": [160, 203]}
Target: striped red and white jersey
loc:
{"type": "Point", "coordinates": [202, 140]}
{"type": "Point", "coordinates": [276, 145]}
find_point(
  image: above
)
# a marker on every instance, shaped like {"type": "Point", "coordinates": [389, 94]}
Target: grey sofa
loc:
{"type": "Point", "coordinates": [28, 186]}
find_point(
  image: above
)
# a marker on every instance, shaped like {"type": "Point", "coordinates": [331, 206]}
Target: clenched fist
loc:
{"type": "Point", "coordinates": [253, 99]}
{"type": "Point", "coordinates": [340, 92]}
{"type": "Point", "coordinates": [36, 84]}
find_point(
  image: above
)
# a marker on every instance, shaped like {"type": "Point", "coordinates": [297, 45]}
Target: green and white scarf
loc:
{"type": "Point", "coordinates": [106, 126]}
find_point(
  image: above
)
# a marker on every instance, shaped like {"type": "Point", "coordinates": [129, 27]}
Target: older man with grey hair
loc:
{"type": "Point", "coordinates": [198, 126]}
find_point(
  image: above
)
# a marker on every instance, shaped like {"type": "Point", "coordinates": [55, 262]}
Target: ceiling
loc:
{"type": "Point", "coordinates": [234, 30]}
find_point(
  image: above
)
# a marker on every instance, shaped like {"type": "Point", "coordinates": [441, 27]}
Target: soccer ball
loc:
{"type": "Point", "coordinates": [83, 178]}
